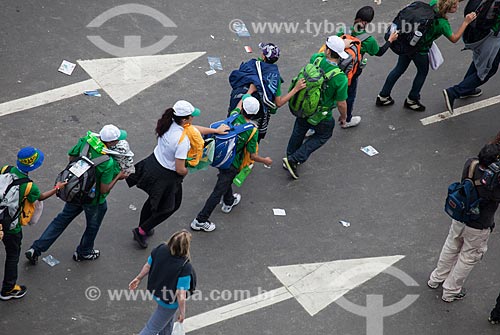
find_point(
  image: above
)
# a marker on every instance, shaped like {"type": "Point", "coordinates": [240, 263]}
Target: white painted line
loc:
{"type": "Point", "coordinates": [461, 110]}
{"type": "Point", "coordinates": [47, 97]}
{"type": "Point", "coordinates": [238, 308]}
{"type": "Point", "coordinates": [123, 78]}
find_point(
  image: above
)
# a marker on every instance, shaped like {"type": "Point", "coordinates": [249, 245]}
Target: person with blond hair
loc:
{"type": "Point", "coordinates": [170, 276]}
{"type": "Point", "coordinates": [441, 26]}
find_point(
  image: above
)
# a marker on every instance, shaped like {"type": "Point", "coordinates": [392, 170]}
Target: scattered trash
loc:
{"type": "Point", "coordinates": [378, 2]}
{"type": "Point", "coordinates": [436, 152]}
{"type": "Point", "coordinates": [324, 0]}
{"type": "Point", "coordinates": [215, 63]}
{"type": "Point", "coordinates": [72, 318]}
{"type": "Point", "coordinates": [18, 81]}
{"type": "Point", "coordinates": [279, 212]}
{"type": "Point", "coordinates": [132, 207]}
{"type": "Point", "coordinates": [66, 67]}
{"type": "Point", "coordinates": [213, 37]}
{"type": "Point", "coordinates": [248, 49]}
{"type": "Point", "coordinates": [442, 115]}
{"type": "Point", "coordinates": [240, 29]}
{"type": "Point", "coordinates": [50, 260]}
{"type": "Point", "coordinates": [391, 127]}
{"type": "Point", "coordinates": [369, 150]}
{"type": "Point", "coordinates": [210, 72]}
{"type": "Point", "coordinates": [345, 223]}
{"type": "Point", "coordinates": [94, 93]}
{"type": "Point", "coordinates": [267, 166]}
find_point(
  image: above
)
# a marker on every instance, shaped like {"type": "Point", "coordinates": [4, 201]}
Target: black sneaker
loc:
{"type": "Point", "coordinates": [459, 296]}
{"type": "Point", "coordinates": [150, 232]}
{"type": "Point", "coordinates": [477, 92]}
{"type": "Point", "coordinates": [414, 105]}
{"type": "Point", "coordinates": [448, 100]}
{"type": "Point", "coordinates": [384, 101]}
{"type": "Point", "coordinates": [17, 292]}
{"type": "Point", "coordinates": [291, 166]}
{"type": "Point", "coordinates": [140, 239]}
{"type": "Point", "coordinates": [90, 257]}
{"type": "Point", "coordinates": [493, 320]}
{"type": "Point", "coordinates": [31, 256]}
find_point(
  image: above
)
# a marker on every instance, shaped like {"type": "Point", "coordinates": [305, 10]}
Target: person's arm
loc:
{"type": "Point", "coordinates": [180, 167]}
{"type": "Point", "coordinates": [106, 188]}
{"type": "Point", "coordinates": [342, 107]}
{"type": "Point", "coordinates": [222, 129]}
{"type": "Point", "coordinates": [45, 195]}
{"type": "Point", "coordinates": [458, 34]}
{"type": "Point", "coordinates": [381, 51]}
{"type": "Point", "coordinates": [181, 299]}
{"type": "Point", "coordinates": [1, 232]}
{"type": "Point", "coordinates": [265, 160]}
{"type": "Point", "coordinates": [251, 89]}
{"type": "Point", "coordinates": [137, 280]}
{"type": "Point", "coordinates": [280, 101]}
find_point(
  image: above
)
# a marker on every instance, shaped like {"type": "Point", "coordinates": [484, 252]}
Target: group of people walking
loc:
{"type": "Point", "coordinates": [256, 95]}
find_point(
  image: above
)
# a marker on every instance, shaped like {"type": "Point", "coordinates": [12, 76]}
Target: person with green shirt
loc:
{"type": "Point", "coordinates": [223, 188]}
{"type": "Point", "coordinates": [28, 159]}
{"type": "Point", "coordinates": [483, 39]}
{"type": "Point", "coordinates": [441, 26]}
{"type": "Point", "coordinates": [298, 150]}
{"type": "Point", "coordinates": [107, 174]}
{"type": "Point", "coordinates": [369, 45]}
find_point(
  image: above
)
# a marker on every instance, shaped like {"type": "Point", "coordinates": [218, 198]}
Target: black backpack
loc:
{"type": "Point", "coordinates": [487, 14]}
{"type": "Point", "coordinates": [80, 175]}
{"type": "Point", "coordinates": [416, 16]}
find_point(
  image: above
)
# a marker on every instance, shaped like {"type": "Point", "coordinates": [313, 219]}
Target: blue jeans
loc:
{"type": "Point", "coordinates": [299, 150]}
{"type": "Point", "coordinates": [223, 188]}
{"type": "Point", "coordinates": [471, 81]}
{"type": "Point", "coordinates": [421, 61]}
{"type": "Point", "coordinates": [161, 322]}
{"type": "Point", "coordinates": [351, 96]}
{"type": "Point", "coordinates": [94, 215]}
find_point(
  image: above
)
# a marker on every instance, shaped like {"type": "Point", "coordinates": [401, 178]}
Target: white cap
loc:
{"type": "Point", "coordinates": [185, 108]}
{"type": "Point", "coordinates": [337, 44]}
{"type": "Point", "coordinates": [111, 133]}
{"type": "Point", "coordinates": [251, 105]}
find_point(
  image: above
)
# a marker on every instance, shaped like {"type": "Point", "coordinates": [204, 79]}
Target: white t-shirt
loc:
{"type": "Point", "coordinates": [169, 148]}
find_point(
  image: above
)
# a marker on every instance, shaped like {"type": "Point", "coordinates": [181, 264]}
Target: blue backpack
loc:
{"type": "Point", "coordinates": [225, 145]}
{"type": "Point", "coordinates": [462, 202]}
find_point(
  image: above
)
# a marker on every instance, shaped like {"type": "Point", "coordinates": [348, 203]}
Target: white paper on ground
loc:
{"type": "Point", "coordinates": [210, 72]}
{"type": "Point", "coordinates": [279, 212]}
{"type": "Point", "coordinates": [369, 150]}
{"type": "Point", "coordinates": [66, 67]}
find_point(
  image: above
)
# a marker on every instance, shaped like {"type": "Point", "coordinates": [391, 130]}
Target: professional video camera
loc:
{"type": "Point", "coordinates": [491, 176]}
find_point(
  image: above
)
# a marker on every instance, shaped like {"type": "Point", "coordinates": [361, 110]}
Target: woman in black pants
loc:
{"type": "Point", "coordinates": [160, 175]}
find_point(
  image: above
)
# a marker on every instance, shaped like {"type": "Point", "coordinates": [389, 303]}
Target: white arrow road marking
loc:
{"type": "Point", "coordinates": [315, 286]}
{"type": "Point", "coordinates": [121, 78]}
{"type": "Point", "coordinates": [460, 110]}
{"type": "Point", "coordinates": [47, 97]}
{"type": "Point", "coordinates": [235, 309]}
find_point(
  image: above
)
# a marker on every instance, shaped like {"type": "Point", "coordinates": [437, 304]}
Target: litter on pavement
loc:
{"type": "Point", "coordinates": [67, 67]}
{"type": "Point", "coordinates": [369, 150]}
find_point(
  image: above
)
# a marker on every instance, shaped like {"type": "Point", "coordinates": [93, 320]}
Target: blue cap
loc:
{"type": "Point", "coordinates": [29, 159]}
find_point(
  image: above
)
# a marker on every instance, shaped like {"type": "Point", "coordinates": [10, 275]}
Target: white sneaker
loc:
{"type": "Point", "coordinates": [310, 133]}
{"type": "Point", "coordinates": [355, 120]}
{"type": "Point", "coordinates": [227, 208]}
{"type": "Point", "coordinates": [206, 226]}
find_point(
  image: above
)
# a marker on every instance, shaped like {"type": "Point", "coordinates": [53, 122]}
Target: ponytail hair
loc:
{"type": "Point", "coordinates": [163, 124]}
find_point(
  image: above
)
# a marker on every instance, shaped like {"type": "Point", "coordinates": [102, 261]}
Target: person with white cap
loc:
{"type": "Point", "coordinates": [247, 140]}
{"type": "Point", "coordinates": [335, 95]}
{"type": "Point", "coordinates": [28, 159]}
{"type": "Point", "coordinates": [161, 174]}
{"type": "Point", "coordinates": [107, 174]}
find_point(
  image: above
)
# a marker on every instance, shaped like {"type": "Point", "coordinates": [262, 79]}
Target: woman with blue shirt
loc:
{"type": "Point", "coordinates": [169, 274]}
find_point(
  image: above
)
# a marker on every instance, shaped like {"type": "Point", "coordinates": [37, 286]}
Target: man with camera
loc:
{"type": "Point", "coordinates": [467, 243]}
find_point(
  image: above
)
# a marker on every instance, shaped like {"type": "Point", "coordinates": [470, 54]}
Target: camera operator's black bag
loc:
{"type": "Point", "coordinates": [487, 12]}
{"type": "Point", "coordinates": [462, 202]}
{"type": "Point", "coordinates": [416, 16]}
{"type": "Point", "coordinates": [80, 189]}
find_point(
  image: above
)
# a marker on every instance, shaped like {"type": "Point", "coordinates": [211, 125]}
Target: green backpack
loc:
{"type": "Point", "coordinates": [308, 102]}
